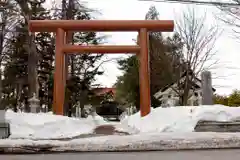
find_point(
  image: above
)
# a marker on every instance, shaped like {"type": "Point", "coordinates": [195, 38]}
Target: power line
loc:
{"type": "Point", "coordinates": [195, 2]}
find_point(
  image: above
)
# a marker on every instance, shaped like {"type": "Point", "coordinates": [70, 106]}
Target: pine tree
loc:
{"type": "Point", "coordinates": [164, 54]}
{"type": "Point", "coordinates": [128, 84]}
{"type": "Point", "coordinates": [45, 47]}
{"type": "Point", "coordinates": [7, 18]}
{"type": "Point", "coordinates": [84, 67]}
{"type": "Point", "coordinates": [234, 99]}
{"type": "Point", "coordinates": [28, 54]}
{"type": "Point", "coordinates": [15, 74]}
{"type": "Point", "coordinates": [32, 56]}
{"type": "Point", "coordinates": [45, 67]}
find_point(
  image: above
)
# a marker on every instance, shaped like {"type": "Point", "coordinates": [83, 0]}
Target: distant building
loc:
{"type": "Point", "coordinates": [107, 93]}
{"type": "Point", "coordinates": [169, 95]}
{"type": "Point", "coordinates": [108, 107]}
{"type": "Point", "coordinates": [110, 92]}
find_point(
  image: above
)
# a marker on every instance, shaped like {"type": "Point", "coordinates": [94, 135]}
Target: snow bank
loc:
{"type": "Point", "coordinates": [180, 119]}
{"type": "Point", "coordinates": [45, 126]}
{"type": "Point", "coordinates": [48, 126]}
{"type": "Point", "coordinates": [174, 119]}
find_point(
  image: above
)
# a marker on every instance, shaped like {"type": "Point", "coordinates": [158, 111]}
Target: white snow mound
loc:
{"type": "Point", "coordinates": [45, 126]}
{"type": "Point", "coordinates": [173, 119]}
{"type": "Point", "coordinates": [48, 126]}
{"type": "Point", "coordinates": [180, 119]}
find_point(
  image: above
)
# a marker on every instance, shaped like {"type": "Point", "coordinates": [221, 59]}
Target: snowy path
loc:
{"type": "Point", "coordinates": [172, 155]}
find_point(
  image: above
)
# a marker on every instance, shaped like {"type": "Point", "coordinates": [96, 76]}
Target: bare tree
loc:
{"type": "Point", "coordinates": [231, 16]}
{"type": "Point", "coordinates": [199, 43]}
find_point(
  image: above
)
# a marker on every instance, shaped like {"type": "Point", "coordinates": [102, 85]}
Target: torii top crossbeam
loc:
{"type": "Point", "coordinates": [100, 25]}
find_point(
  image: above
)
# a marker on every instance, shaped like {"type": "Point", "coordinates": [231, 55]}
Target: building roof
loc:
{"type": "Point", "coordinates": [195, 85]}
{"type": "Point", "coordinates": [104, 90]}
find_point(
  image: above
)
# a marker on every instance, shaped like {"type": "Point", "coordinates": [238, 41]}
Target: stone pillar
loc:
{"type": "Point", "coordinates": [207, 92]}
{"type": "Point", "coordinates": [34, 104]}
{"type": "Point", "coordinates": [4, 126]}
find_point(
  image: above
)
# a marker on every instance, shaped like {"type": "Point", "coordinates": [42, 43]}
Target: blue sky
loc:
{"type": "Point", "coordinates": [226, 74]}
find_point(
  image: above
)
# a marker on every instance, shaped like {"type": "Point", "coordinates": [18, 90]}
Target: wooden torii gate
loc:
{"type": "Point", "coordinates": [63, 26]}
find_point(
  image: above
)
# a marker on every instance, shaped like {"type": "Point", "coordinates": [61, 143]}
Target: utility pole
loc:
{"type": "Point", "coordinates": [197, 2]}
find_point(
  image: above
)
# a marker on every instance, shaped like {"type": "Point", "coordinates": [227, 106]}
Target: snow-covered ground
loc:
{"type": "Point", "coordinates": [48, 126]}
{"type": "Point", "coordinates": [163, 128]}
{"type": "Point", "coordinates": [174, 119]}
{"type": "Point", "coordinates": [181, 119]}
{"type": "Point", "coordinates": [153, 141]}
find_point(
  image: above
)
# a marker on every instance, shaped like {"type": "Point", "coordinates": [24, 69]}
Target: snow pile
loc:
{"type": "Point", "coordinates": [173, 119]}
{"type": "Point", "coordinates": [180, 119]}
{"type": "Point", "coordinates": [48, 126]}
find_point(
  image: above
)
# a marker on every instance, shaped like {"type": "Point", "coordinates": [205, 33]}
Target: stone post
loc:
{"type": "Point", "coordinates": [34, 104]}
{"type": "Point", "coordinates": [4, 126]}
{"type": "Point", "coordinates": [207, 92]}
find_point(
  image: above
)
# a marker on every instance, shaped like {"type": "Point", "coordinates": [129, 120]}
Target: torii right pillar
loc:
{"type": "Point", "coordinates": [144, 73]}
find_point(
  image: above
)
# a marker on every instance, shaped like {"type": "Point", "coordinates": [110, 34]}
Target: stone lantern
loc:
{"type": "Point", "coordinates": [34, 104]}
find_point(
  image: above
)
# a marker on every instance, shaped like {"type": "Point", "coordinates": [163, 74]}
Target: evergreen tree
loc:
{"type": "Point", "coordinates": [7, 19]}
{"type": "Point", "coordinates": [83, 67]}
{"type": "Point", "coordinates": [218, 99]}
{"type": "Point", "coordinates": [45, 68]}
{"type": "Point", "coordinates": [164, 53]}
{"type": "Point", "coordinates": [28, 54]}
{"type": "Point", "coordinates": [128, 84]}
{"type": "Point", "coordinates": [45, 47]}
{"type": "Point", "coordinates": [234, 99]}
{"type": "Point", "coordinates": [32, 56]}
{"type": "Point", "coordinates": [15, 74]}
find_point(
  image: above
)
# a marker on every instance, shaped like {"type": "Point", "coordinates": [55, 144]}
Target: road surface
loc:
{"type": "Point", "coordinates": [158, 155]}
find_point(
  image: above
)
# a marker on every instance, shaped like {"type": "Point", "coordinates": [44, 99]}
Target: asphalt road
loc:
{"type": "Point", "coordinates": [163, 155]}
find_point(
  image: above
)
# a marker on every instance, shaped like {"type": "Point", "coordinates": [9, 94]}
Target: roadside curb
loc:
{"type": "Point", "coordinates": [161, 142]}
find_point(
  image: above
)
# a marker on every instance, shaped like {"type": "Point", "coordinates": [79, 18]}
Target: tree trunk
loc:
{"type": "Point", "coordinates": [82, 110]}
{"type": "Point", "coordinates": [32, 69]}
{"type": "Point", "coordinates": [1, 89]}
{"type": "Point", "coordinates": [70, 109]}
{"type": "Point", "coordinates": [67, 14]}
{"type": "Point", "coordinates": [15, 102]}
{"type": "Point", "coordinates": [1, 50]}
{"type": "Point", "coordinates": [187, 87]}
{"type": "Point", "coordinates": [32, 66]}
{"type": "Point", "coordinates": [19, 91]}
{"type": "Point", "coordinates": [82, 103]}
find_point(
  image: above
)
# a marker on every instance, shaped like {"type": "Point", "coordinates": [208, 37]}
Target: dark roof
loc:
{"type": "Point", "coordinates": [183, 75]}
{"type": "Point", "coordinates": [101, 91]}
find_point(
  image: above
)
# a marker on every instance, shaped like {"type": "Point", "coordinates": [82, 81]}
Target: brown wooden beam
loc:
{"type": "Point", "coordinates": [73, 49]}
{"type": "Point", "coordinates": [59, 74]}
{"type": "Point", "coordinates": [100, 25]}
{"type": "Point", "coordinates": [145, 100]}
